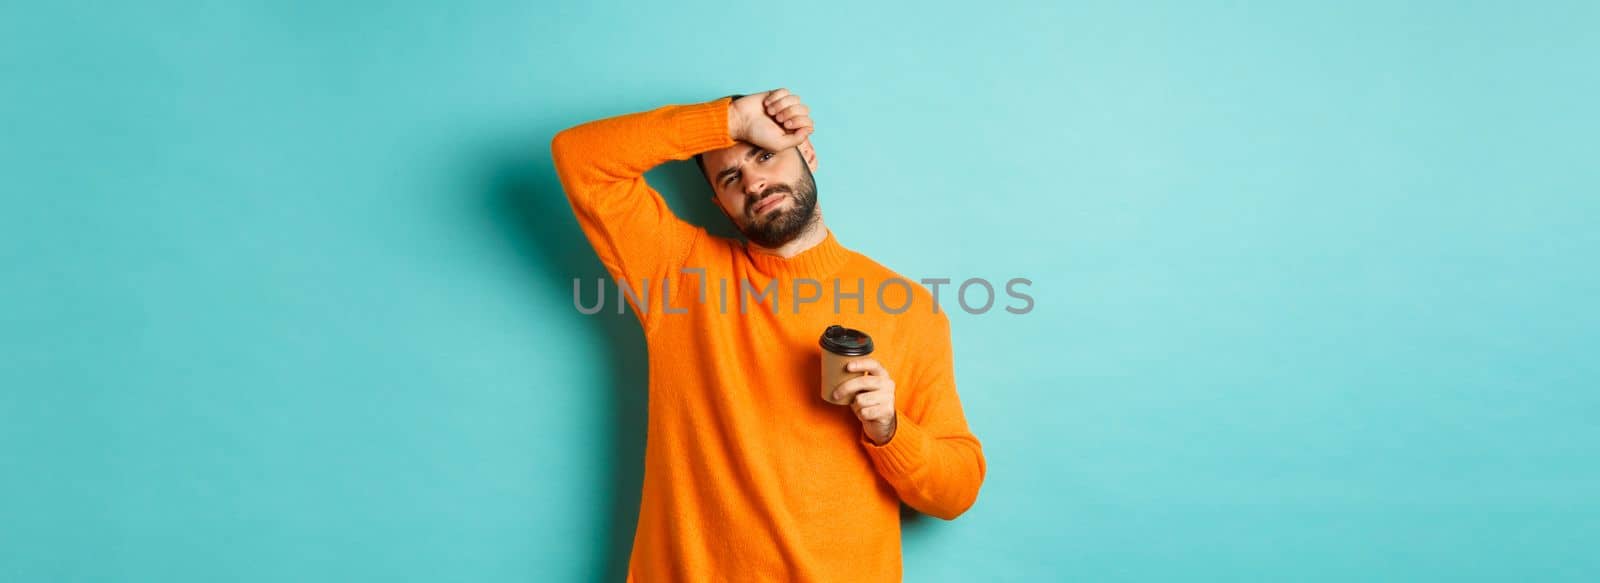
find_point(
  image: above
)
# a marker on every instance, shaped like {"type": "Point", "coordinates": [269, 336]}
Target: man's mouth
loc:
{"type": "Point", "coordinates": [767, 203]}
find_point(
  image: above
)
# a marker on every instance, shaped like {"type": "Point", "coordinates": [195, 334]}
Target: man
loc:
{"type": "Point", "coordinates": [750, 475]}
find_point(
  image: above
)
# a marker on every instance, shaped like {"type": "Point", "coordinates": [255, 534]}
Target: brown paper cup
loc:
{"type": "Point", "coordinates": [841, 345]}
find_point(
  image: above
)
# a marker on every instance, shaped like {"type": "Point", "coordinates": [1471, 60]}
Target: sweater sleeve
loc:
{"type": "Point", "coordinates": [602, 164]}
{"type": "Point", "coordinates": [933, 460]}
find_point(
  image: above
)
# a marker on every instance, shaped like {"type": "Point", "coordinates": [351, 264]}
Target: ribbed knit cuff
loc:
{"type": "Point", "coordinates": [702, 127]}
{"type": "Point", "coordinates": [906, 452]}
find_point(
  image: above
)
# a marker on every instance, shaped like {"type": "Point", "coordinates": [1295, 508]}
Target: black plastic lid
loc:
{"type": "Point", "coordinates": [845, 341]}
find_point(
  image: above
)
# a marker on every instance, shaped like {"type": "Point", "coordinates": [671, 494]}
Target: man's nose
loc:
{"type": "Point", "coordinates": [754, 184]}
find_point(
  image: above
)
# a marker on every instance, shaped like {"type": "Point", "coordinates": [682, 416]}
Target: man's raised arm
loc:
{"type": "Point", "coordinates": [602, 164]}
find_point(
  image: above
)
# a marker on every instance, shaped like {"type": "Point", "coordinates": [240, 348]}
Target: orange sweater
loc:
{"type": "Point", "coordinates": [749, 475]}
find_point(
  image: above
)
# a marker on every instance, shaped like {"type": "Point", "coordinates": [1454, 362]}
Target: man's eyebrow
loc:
{"type": "Point", "coordinates": [726, 172]}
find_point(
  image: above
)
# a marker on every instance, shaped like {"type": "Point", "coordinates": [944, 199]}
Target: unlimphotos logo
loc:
{"type": "Point", "coordinates": [975, 295]}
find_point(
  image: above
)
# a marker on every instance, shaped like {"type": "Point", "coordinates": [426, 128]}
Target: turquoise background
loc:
{"type": "Point", "coordinates": [287, 286]}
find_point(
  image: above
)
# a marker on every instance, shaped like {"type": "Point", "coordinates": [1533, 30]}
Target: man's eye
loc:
{"type": "Point", "coordinates": [766, 156]}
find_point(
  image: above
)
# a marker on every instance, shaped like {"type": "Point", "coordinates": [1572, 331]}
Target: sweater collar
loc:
{"type": "Point", "coordinates": [821, 260]}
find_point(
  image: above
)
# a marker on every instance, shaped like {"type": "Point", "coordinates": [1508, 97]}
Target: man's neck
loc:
{"type": "Point", "coordinates": [810, 237]}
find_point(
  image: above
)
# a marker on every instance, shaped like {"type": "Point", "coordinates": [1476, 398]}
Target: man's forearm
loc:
{"type": "Point", "coordinates": [602, 164]}
{"type": "Point", "coordinates": [594, 155]}
{"type": "Point", "coordinates": [938, 475]}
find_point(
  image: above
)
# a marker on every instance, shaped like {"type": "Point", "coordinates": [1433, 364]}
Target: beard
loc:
{"type": "Point", "coordinates": [783, 225]}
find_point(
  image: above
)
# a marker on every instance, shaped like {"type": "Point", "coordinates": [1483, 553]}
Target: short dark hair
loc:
{"type": "Point", "coordinates": [700, 159]}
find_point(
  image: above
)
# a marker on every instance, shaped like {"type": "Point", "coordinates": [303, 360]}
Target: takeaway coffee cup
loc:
{"type": "Point", "coordinates": [841, 345]}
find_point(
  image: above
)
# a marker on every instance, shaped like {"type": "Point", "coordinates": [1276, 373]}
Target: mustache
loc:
{"type": "Point", "coordinates": [750, 203]}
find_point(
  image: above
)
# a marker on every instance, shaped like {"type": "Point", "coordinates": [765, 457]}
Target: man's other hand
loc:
{"type": "Point", "coordinates": [871, 396]}
{"type": "Point", "coordinates": [774, 120]}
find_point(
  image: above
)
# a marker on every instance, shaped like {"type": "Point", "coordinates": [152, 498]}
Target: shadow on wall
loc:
{"type": "Point", "coordinates": [526, 204]}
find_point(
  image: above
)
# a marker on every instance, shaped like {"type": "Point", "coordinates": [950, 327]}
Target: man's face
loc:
{"type": "Point", "coordinates": [770, 196]}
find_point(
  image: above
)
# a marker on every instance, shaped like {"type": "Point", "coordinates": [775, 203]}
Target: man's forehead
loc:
{"type": "Point", "coordinates": [716, 159]}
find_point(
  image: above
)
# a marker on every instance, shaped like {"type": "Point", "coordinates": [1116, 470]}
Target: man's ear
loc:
{"type": "Point", "coordinates": [808, 153]}
{"type": "Point", "coordinates": [717, 202]}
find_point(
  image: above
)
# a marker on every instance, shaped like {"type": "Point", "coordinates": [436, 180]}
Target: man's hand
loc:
{"type": "Point", "coordinates": [774, 120]}
{"type": "Point", "coordinates": [871, 396]}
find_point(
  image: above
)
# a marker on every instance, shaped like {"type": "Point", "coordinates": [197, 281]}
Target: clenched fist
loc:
{"type": "Point", "coordinates": [871, 396]}
{"type": "Point", "coordinates": [775, 120]}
